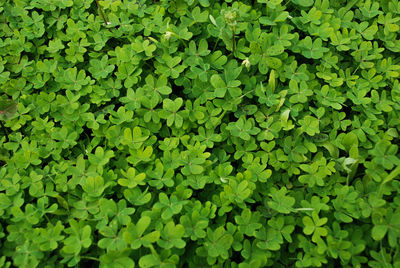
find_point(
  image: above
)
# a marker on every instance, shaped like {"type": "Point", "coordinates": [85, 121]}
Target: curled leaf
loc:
{"type": "Point", "coordinates": [7, 109]}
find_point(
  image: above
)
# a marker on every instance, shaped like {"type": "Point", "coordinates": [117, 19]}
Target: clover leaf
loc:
{"type": "Point", "coordinates": [314, 226]}
{"type": "Point", "coordinates": [218, 242]}
{"type": "Point", "coordinates": [170, 112]}
{"type": "Point", "coordinates": [101, 68]}
{"type": "Point", "coordinates": [134, 233]}
{"type": "Point", "coordinates": [243, 128]}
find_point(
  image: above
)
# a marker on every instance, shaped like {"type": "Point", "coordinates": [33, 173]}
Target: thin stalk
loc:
{"type": "Point", "coordinates": [101, 12]}
{"type": "Point", "coordinates": [180, 39]}
{"type": "Point", "coordinates": [356, 69]}
{"type": "Point", "coordinates": [233, 41]}
{"type": "Point", "coordinates": [90, 258]}
{"type": "Point", "coordinates": [4, 130]}
{"type": "Point", "coordinates": [216, 43]}
{"type": "Point", "coordinates": [248, 92]}
{"type": "Point", "coordinates": [287, 2]}
{"type": "Point", "coordinates": [383, 256]}
{"type": "Point", "coordinates": [238, 98]}
{"type": "Point", "coordinates": [395, 172]}
{"type": "Point", "coordinates": [48, 220]}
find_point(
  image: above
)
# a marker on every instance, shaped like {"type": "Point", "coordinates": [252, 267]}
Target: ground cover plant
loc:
{"type": "Point", "coordinates": [198, 133]}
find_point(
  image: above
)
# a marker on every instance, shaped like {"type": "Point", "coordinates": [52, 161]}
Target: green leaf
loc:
{"type": "Point", "coordinates": [93, 186]}
{"type": "Point", "coordinates": [280, 202]}
{"type": "Point", "coordinates": [100, 157]}
{"type": "Point", "coordinates": [132, 180]}
{"type": "Point", "coordinates": [304, 3]}
{"type": "Point", "coordinates": [379, 231]}
{"type": "Point", "coordinates": [149, 260]}
{"type": "Point", "coordinates": [219, 85]}
{"type": "Point", "coordinates": [310, 125]}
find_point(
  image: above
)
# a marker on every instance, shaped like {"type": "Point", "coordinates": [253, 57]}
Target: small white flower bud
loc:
{"type": "Point", "coordinates": [168, 35]}
{"type": "Point", "coordinates": [246, 63]}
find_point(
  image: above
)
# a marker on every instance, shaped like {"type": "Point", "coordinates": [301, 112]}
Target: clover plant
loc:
{"type": "Point", "coordinates": [198, 133]}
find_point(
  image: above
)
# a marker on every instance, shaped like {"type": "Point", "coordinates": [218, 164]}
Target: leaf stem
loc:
{"type": "Point", "coordinates": [179, 38]}
{"type": "Point", "coordinates": [48, 220]}
{"type": "Point", "coordinates": [383, 256]}
{"type": "Point", "coordinates": [248, 92]}
{"type": "Point", "coordinates": [356, 69]}
{"type": "Point", "coordinates": [303, 209]}
{"type": "Point", "coordinates": [395, 172]}
{"type": "Point", "coordinates": [215, 45]}
{"type": "Point", "coordinates": [238, 98]}
{"type": "Point", "coordinates": [287, 2]}
{"type": "Point", "coordinates": [101, 12]}
{"type": "Point", "coordinates": [233, 41]}
{"type": "Point", "coordinates": [90, 258]}
{"type": "Point", "coordinates": [5, 131]}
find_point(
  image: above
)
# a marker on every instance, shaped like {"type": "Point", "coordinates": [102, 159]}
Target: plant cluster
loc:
{"type": "Point", "coordinates": [197, 133]}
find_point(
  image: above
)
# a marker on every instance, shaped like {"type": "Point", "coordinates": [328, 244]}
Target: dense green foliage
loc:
{"type": "Point", "coordinates": [195, 134]}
